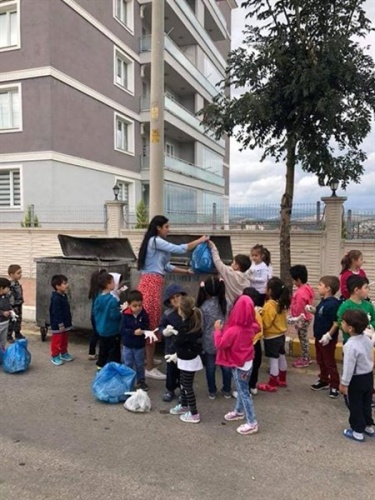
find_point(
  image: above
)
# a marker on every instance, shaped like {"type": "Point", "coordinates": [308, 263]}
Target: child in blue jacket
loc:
{"type": "Point", "coordinates": [134, 322]}
{"type": "Point", "coordinates": [60, 319]}
{"type": "Point", "coordinates": [107, 316]}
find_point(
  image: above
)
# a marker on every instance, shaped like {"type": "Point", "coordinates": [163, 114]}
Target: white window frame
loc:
{"type": "Point", "coordinates": [169, 150]}
{"type": "Point", "coordinates": [129, 24]}
{"type": "Point", "coordinates": [11, 6]}
{"type": "Point", "coordinates": [12, 207]}
{"type": "Point", "coordinates": [119, 54]}
{"type": "Point", "coordinates": [9, 88]}
{"type": "Point", "coordinates": [130, 139]}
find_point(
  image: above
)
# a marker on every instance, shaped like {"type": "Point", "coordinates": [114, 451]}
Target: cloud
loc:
{"type": "Point", "coordinates": [256, 182]}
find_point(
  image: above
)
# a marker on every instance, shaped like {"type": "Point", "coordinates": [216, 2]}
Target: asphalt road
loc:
{"type": "Point", "coordinates": [57, 442]}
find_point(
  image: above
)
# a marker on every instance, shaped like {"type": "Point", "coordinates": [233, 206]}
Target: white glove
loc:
{"type": "Point", "coordinates": [259, 309]}
{"type": "Point", "coordinates": [150, 335]}
{"type": "Point", "coordinates": [169, 331]}
{"type": "Point", "coordinates": [294, 319]}
{"type": "Point", "coordinates": [124, 306]}
{"type": "Point", "coordinates": [310, 309]}
{"type": "Point", "coordinates": [13, 316]}
{"type": "Point", "coordinates": [171, 358]}
{"type": "Point", "coordinates": [123, 288]}
{"type": "Point", "coordinates": [326, 339]}
{"type": "Point", "coordinates": [369, 331]}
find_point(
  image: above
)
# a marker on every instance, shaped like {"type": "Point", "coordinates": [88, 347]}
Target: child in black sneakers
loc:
{"type": "Point", "coordinates": [326, 333]}
{"type": "Point", "coordinates": [357, 379]}
{"type": "Point", "coordinates": [134, 322]}
{"type": "Point", "coordinates": [16, 301]}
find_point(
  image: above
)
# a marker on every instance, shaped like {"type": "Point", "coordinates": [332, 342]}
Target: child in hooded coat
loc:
{"type": "Point", "coordinates": [234, 344]}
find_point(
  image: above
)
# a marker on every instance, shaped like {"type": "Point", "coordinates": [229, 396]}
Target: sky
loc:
{"type": "Point", "coordinates": [256, 182]}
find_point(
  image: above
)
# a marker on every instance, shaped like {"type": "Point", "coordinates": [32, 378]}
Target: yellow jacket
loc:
{"type": "Point", "coordinates": [259, 320]}
{"type": "Point", "coordinates": [274, 323]}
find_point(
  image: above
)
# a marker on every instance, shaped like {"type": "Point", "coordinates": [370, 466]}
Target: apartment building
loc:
{"type": "Point", "coordinates": [74, 102]}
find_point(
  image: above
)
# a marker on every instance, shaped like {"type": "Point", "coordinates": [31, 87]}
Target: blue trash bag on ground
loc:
{"type": "Point", "coordinates": [111, 383]}
{"type": "Point", "coordinates": [201, 259]}
{"type": "Point", "coordinates": [17, 358]}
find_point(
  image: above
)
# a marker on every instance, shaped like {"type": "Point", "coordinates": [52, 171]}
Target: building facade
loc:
{"type": "Point", "coordinates": [74, 102]}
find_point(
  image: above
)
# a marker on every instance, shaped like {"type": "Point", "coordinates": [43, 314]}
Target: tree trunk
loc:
{"type": "Point", "coordinates": [286, 211]}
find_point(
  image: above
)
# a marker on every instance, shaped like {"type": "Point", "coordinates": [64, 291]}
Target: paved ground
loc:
{"type": "Point", "coordinates": [57, 442]}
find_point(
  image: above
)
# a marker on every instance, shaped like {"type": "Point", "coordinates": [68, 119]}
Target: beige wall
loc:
{"type": "Point", "coordinates": [22, 246]}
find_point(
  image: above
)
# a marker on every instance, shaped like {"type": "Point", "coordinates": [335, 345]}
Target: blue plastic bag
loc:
{"type": "Point", "coordinates": [110, 384]}
{"type": "Point", "coordinates": [201, 259]}
{"type": "Point", "coordinates": [17, 358]}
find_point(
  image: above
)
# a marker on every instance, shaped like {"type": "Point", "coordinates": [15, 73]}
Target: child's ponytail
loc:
{"type": "Point", "coordinates": [348, 258]}
{"type": "Point", "coordinates": [213, 287]}
{"type": "Point", "coordinates": [94, 284]}
{"type": "Point", "coordinates": [191, 313]}
{"type": "Point", "coordinates": [279, 292]}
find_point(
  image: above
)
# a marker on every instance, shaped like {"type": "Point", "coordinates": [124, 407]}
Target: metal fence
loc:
{"type": "Point", "coordinates": [359, 224]}
{"type": "Point", "coordinates": [63, 218]}
{"type": "Point", "coordinates": [251, 217]}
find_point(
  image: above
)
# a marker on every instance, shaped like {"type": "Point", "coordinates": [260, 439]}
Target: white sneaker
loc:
{"type": "Point", "coordinates": [254, 391]}
{"type": "Point", "coordinates": [156, 374]}
{"type": "Point", "coordinates": [234, 394]}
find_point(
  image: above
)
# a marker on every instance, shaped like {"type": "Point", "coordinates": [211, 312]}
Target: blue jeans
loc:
{"type": "Point", "coordinates": [134, 359]}
{"type": "Point", "coordinates": [210, 374]}
{"type": "Point", "coordinates": [244, 402]}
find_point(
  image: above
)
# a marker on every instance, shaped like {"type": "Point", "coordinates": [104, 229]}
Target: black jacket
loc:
{"type": "Point", "coordinates": [188, 344]}
{"type": "Point", "coordinates": [128, 326]}
{"type": "Point", "coordinates": [4, 306]}
{"type": "Point", "coordinates": [59, 313]}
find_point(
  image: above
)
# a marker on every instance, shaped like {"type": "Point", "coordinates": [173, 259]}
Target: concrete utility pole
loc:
{"type": "Point", "coordinates": [157, 110]}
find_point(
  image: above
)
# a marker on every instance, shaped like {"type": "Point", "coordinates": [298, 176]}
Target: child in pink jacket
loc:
{"type": "Point", "coordinates": [302, 297]}
{"type": "Point", "coordinates": [234, 346]}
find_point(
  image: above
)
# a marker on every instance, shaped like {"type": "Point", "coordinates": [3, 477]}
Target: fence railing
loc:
{"type": "Point", "coordinates": [359, 224]}
{"type": "Point", "coordinates": [210, 215]}
{"type": "Point", "coordinates": [47, 217]}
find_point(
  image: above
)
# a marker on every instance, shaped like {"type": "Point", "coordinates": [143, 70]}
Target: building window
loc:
{"type": "Point", "coordinates": [124, 134]}
{"type": "Point", "coordinates": [10, 109]}
{"type": "Point", "coordinates": [124, 191]}
{"type": "Point", "coordinates": [123, 71]}
{"type": "Point", "coordinates": [9, 25]}
{"type": "Point", "coordinates": [169, 149]}
{"type": "Point", "coordinates": [10, 188]}
{"type": "Point", "coordinates": [124, 12]}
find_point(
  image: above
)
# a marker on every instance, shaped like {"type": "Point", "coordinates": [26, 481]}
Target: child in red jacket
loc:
{"type": "Point", "coordinates": [302, 297]}
{"type": "Point", "coordinates": [234, 344]}
{"type": "Point", "coordinates": [351, 264]}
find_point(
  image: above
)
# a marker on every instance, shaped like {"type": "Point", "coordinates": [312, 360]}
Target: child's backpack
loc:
{"type": "Point", "coordinates": [201, 259]}
{"type": "Point", "coordinates": [111, 383]}
{"type": "Point", "coordinates": [17, 358]}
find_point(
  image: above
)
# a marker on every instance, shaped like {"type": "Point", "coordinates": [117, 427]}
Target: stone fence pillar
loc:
{"type": "Point", "coordinates": [332, 242]}
{"type": "Point", "coordinates": [115, 218]}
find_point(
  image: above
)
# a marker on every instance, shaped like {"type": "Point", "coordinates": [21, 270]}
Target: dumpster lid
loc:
{"type": "Point", "coordinates": [222, 242]}
{"type": "Point", "coordinates": [96, 248]}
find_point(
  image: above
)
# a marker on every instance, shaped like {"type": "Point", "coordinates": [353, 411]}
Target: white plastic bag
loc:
{"type": "Point", "coordinates": [139, 401]}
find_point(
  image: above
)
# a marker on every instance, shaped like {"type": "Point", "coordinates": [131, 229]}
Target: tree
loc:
{"type": "Point", "coordinates": [142, 215]}
{"type": "Point", "coordinates": [308, 93]}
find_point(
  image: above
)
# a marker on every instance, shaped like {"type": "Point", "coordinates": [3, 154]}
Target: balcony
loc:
{"type": "Point", "coordinates": [181, 21]}
{"type": "Point", "coordinates": [180, 59]}
{"type": "Point", "coordinates": [181, 113]}
{"type": "Point", "coordinates": [215, 22]}
{"type": "Point", "coordinates": [173, 164]}
{"type": "Point", "coordinates": [200, 31]}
